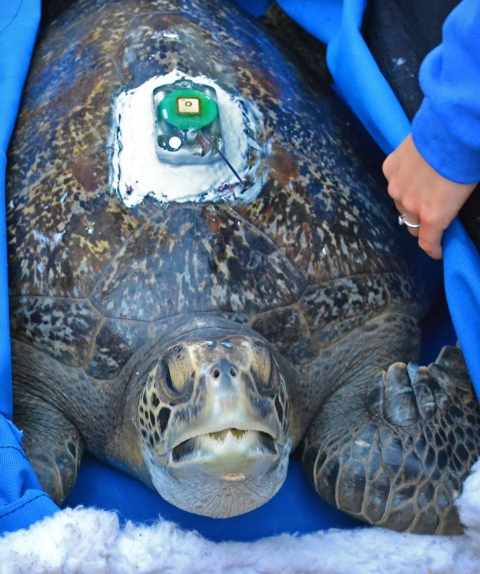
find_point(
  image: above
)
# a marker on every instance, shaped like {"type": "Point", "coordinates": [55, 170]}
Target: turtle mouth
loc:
{"type": "Point", "coordinates": [225, 443]}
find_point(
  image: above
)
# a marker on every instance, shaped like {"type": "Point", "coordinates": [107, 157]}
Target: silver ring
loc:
{"type": "Point", "coordinates": [403, 221]}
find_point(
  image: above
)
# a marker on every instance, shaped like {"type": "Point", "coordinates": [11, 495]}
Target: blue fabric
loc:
{"type": "Point", "coordinates": [22, 501]}
{"type": "Point", "coordinates": [358, 80]}
{"type": "Point", "coordinates": [446, 129]}
{"type": "Point", "coordinates": [254, 7]}
{"type": "Point", "coordinates": [462, 279]}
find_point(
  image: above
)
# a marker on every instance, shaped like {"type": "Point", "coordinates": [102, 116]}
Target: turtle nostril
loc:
{"type": "Point", "coordinates": [233, 371]}
{"type": "Point", "coordinates": [216, 373]}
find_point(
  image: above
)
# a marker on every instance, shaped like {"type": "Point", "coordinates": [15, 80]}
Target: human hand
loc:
{"type": "Point", "coordinates": [423, 195]}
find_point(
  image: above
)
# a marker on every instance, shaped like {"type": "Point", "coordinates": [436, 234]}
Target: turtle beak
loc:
{"type": "Point", "coordinates": [226, 453]}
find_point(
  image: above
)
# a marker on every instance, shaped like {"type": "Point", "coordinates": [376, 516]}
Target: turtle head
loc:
{"type": "Point", "coordinates": [214, 425]}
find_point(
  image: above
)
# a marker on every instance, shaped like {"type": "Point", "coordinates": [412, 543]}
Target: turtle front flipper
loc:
{"type": "Point", "coordinates": [53, 447]}
{"type": "Point", "coordinates": [52, 444]}
{"type": "Point", "coordinates": [398, 459]}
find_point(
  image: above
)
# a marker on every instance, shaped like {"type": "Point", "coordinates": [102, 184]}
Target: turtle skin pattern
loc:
{"type": "Point", "coordinates": [314, 264]}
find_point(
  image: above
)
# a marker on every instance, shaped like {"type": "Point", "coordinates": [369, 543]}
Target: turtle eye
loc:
{"type": "Point", "coordinates": [169, 382]}
{"type": "Point", "coordinates": [262, 366]}
{"type": "Point", "coordinates": [176, 374]}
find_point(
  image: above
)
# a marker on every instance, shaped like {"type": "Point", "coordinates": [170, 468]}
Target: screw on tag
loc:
{"type": "Point", "coordinates": [412, 369]}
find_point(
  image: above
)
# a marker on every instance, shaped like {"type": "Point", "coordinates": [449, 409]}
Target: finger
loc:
{"type": "Point", "coordinates": [413, 220]}
{"type": "Point", "coordinates": [387, 167]}
{"type": "Point", "coordinates": [399, 206]}
{"type": "Point", "coordinates": [408, 217]}
{"type": "Point", "coordinates": [429, 239]}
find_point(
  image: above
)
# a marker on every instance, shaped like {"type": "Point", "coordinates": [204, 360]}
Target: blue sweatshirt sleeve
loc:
{"type": "Point", "coordinates": [446, 129]}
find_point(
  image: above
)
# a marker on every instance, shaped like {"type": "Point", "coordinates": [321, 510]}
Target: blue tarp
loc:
{"type": "Point", "coordinates": [296, 508]}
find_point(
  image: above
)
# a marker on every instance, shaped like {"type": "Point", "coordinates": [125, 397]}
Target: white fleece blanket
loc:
{"type": "Point", "coordinates": [85, 540]}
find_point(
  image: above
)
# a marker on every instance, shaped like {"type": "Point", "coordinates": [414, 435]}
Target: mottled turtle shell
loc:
{"type": "Point", "coordinates": [92, 281]}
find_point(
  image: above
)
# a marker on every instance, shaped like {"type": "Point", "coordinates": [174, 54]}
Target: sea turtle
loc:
{"type": "Point", "coordinates": [195, 344]}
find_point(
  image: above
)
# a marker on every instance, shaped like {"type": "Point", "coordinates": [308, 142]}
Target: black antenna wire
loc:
{"type": "Point", "coordinates": [222, 156]}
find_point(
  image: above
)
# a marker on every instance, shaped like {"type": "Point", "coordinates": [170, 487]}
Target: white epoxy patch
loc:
{"type": "Point", "coordinates": [136, 170]}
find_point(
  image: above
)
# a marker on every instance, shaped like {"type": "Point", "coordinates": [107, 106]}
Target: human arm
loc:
{"type": "Point", "coordinates": [432, 173]}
